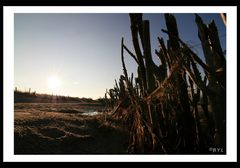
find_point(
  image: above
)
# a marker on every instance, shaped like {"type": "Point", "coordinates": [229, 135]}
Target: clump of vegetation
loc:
{"type": "Point", "coordinates": [172, 108]}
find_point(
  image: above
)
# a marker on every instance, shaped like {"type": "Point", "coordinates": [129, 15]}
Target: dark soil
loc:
{"type": "Point", "coordinates": [38, 132]}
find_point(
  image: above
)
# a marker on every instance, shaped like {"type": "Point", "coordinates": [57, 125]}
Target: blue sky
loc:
{"type": "Point", "coordinates": [83, 50]}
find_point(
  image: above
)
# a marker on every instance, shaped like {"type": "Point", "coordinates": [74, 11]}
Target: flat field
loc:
{"type": "Point", "coordinates": [65, 128]}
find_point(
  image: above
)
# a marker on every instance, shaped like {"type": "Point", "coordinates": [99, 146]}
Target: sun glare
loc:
{"type": "Point", "coordinates": [53, 83]}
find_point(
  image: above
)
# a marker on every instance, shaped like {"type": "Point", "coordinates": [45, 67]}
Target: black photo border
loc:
{"type": "Point", "coordinates": [113, 3]}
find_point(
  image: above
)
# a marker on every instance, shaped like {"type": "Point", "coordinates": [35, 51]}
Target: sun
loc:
{"type": "Point", "coordinates": [53, 83]}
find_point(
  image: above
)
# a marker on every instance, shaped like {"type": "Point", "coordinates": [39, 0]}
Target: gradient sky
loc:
{"type": "Point", "coordinates": [83, 50]}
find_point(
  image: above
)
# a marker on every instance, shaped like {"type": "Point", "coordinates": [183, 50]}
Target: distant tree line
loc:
{"type": "Point", "coordinates": [28, 96]}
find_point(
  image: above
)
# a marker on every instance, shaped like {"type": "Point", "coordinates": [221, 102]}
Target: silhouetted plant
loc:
{"type": "Point", "coordinates": [167, 104]}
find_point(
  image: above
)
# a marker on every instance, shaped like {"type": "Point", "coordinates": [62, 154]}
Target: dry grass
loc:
{"type": "Point", "coordinates": [38, 129]}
